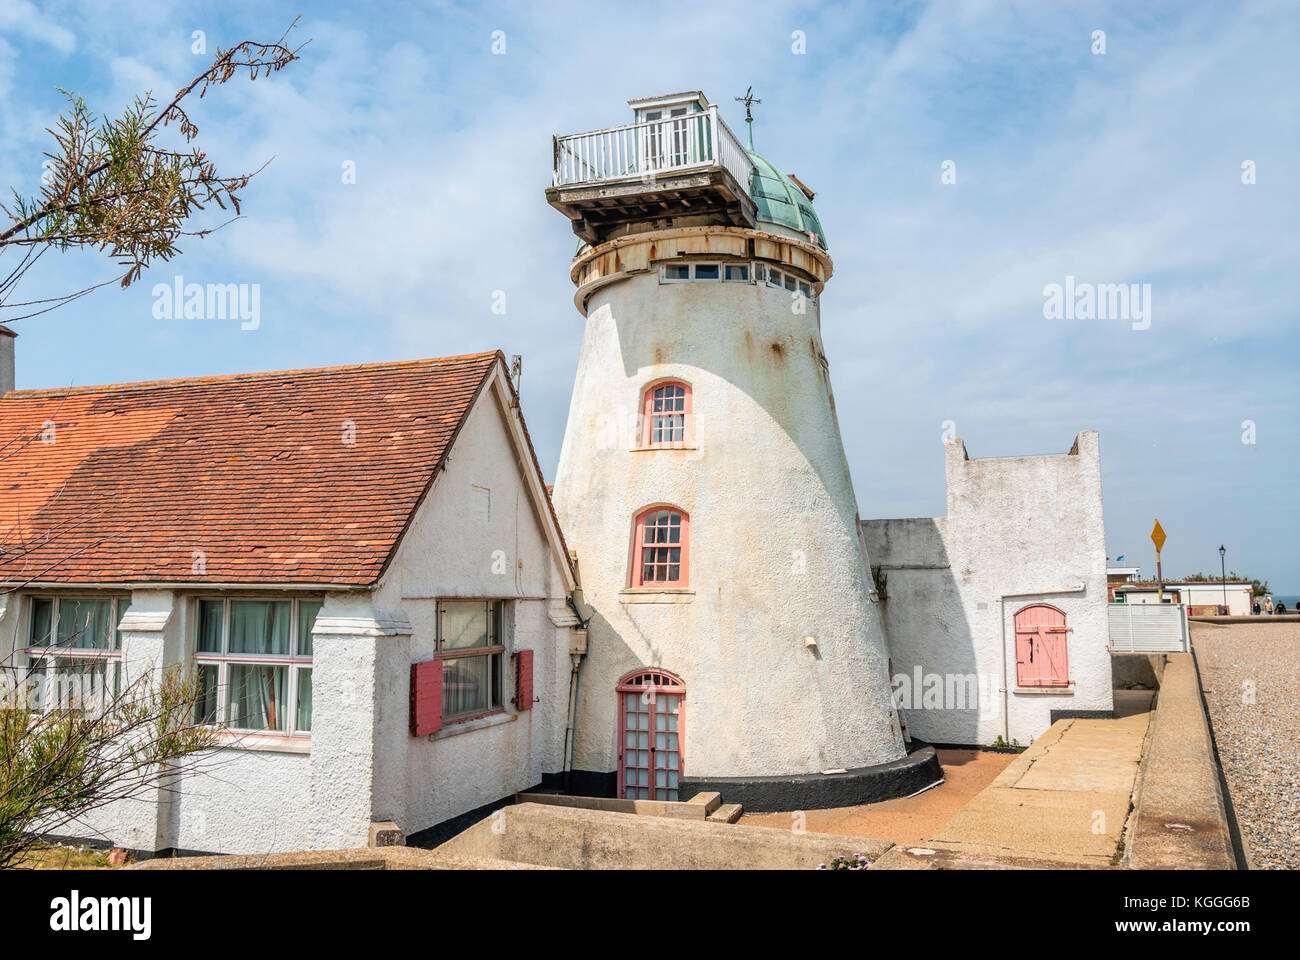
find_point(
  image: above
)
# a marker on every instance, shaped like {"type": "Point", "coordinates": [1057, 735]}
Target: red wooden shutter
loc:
{"type": "Point", "coordinates": [426, 697]}
{"type": "Point", "coordinates": [524, 680]}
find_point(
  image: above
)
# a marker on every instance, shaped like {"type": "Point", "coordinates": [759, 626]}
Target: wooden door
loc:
{"type": "Point", "coordinates": [1042, 647]}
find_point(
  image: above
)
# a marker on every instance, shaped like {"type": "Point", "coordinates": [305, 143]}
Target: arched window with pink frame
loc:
{"type": "Point", "coordinates": [667, 417]}
{"type": "Point", "coordinates": [661, 548]}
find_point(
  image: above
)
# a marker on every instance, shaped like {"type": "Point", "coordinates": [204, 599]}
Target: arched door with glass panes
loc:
{"type": "Point", "coordinates": [651, 711]}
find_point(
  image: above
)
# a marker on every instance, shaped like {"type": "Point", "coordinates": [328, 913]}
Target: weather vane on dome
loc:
{"type": "Point", "coordinates": [749, 100]}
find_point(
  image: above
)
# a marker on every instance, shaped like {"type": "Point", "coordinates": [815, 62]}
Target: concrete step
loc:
{"type": "Point", "coordinates": [710, 800]}
{"type": "Point", "coordinates": [727, 813]}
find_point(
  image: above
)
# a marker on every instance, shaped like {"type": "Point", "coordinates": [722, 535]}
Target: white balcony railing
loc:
{"type": "Point", "coordinates": [639, 151]}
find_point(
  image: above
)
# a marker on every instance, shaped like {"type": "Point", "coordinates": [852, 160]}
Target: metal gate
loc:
{"type": "Point", "coordinates": [1148, 627]}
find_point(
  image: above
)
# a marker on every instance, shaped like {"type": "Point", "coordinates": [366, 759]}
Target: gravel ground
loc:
{"type": "Point", "coordinates": [1259, 742]}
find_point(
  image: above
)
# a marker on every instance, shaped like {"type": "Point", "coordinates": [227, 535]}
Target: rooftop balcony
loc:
{"type": "Point", "coordinates": [686, 164]}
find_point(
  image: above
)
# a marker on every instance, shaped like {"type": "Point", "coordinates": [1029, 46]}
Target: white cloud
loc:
{"type": "Point", "coordinates": [23, 19]}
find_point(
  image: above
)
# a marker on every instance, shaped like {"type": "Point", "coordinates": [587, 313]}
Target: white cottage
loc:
{"type": "Point", "coordinates": [319, 544]}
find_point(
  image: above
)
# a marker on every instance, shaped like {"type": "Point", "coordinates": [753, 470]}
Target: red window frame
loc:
{"type": "Point", "coordinates": [670, 403]}
{"type": "Point", "coordinates": [495, 651]}
{"type": "Point", "coordinates": [1042, 646]}
{"type": "Point", "coordinates": [665, 554]}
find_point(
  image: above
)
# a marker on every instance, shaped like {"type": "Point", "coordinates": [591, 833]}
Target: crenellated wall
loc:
{"type": "Point", "coordinates": [1019, 530]}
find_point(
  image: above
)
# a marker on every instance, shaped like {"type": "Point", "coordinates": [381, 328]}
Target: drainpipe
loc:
{"type": "Point", "coordinates": [568, 727]}
{"type": "Point", "coordinates": [1002, 631]}
{"type": "Point", "coordinates": [575, 680]}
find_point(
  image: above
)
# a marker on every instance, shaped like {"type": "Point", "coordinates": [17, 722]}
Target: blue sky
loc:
{"type": "Point", "coordinates": [1124, 167]}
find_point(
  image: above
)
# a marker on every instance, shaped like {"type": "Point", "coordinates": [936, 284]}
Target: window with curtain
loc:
{"type": "Point", "coordinates": [254, 660]}
{"type": "Point", "coordinates": [471, 646]}
{"type": "Point", "coordinates": [74, 651]}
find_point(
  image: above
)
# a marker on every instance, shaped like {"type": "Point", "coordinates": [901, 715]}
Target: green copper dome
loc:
{"type": "Point", "coordinates": [779, 199]}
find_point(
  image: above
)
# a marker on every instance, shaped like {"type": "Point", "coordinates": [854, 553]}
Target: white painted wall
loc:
{"type": "Point", "coordinates": [464, 543]}
{"type": "Point", "coordinates": [774, 549]}
{"type": "Point", "coordinates": [1019, 525]}
{"type": "Point", "coordinates": [242, 801]}
{"type": "Point", "coordinates": [1240, 596]}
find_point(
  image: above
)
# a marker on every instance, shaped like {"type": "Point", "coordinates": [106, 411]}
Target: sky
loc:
{"type": "Point", "coordinates": [965, 156]}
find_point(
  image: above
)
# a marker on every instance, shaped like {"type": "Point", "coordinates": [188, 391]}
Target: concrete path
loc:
{"type": "Point", "coordinates": [906, 820]}
{"type": "Point", "coordinates": [1063, 802]}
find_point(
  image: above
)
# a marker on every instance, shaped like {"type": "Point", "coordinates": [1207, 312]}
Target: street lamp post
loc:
{"type": "Point", "coordinates": [1223, 575]}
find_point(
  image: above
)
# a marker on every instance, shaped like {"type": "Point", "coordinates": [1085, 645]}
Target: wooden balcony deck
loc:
{"type": "Point", "coordinates": [679, 166]}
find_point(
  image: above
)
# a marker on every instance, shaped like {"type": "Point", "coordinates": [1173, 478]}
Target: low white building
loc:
{"type": "Point", "coordinates": [996, 613]}
{"type": "Point", "coordinates": [314, 542]}
{"type": "Point", "coordinates": [1237, 595]}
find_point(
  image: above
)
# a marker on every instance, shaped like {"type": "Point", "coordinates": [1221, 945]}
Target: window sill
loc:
{"type": "Point", "coordinates": [456, 728]}
{"type": "Point", "coordinates": [1064, 691]}
{"type": "Point", "coordinates": [664, 448]}
{"type": "Point", "coordinates": [655, 595]}
{"type": "Point", "coordinates": [262, 743]}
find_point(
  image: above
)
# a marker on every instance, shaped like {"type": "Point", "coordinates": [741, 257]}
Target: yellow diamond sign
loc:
{"type": "Point", "coordinates": [1158, 536]}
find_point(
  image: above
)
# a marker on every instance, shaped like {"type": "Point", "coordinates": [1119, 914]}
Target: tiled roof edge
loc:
{"type": "Point", "coordinates": [234, 377]}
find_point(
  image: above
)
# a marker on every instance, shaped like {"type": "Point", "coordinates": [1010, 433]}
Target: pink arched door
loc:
{"type": "Point", "coordinates": [1042, 649]}
{"type": "Point", "coordinates": [650, 710]}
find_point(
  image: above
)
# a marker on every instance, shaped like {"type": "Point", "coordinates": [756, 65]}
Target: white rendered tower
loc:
{"type": "Point", "coordinates": [734, 643]}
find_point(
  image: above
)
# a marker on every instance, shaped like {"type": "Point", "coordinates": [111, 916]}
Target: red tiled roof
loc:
{"type": "Point", "coordinates": [253, 471]}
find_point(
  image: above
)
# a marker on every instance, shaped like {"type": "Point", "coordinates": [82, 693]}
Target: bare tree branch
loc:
{"type": "Point", "coordinates": [109, 185]}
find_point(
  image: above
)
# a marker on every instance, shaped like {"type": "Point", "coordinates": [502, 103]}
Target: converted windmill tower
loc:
{"type": "Point", "coordinates": [734, 641]}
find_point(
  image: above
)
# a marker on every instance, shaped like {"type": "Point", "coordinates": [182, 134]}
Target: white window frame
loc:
{"type": "Point", "coordinates": [782, 280]}
{"type": "Point", "coordinates": [663, 273]}
{"type": "Point", "coordinates": [45, 657]}
{"type": "Point", "coordinates": [293, 662]}
{"type": "Point", "coordinates": [692, 267]}
{"type": "Point", "coordinates": [675, 111]}
{"type": "Point", "coordinates": [747, 267]}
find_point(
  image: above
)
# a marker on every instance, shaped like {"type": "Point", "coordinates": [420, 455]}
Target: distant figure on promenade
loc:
{"type": "Point", "coordinates": [1268, 606]}
{"type": "Point", "coordinates": [1256, 608]}
{"type": "Point", "coordinates": [1281, 608]}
